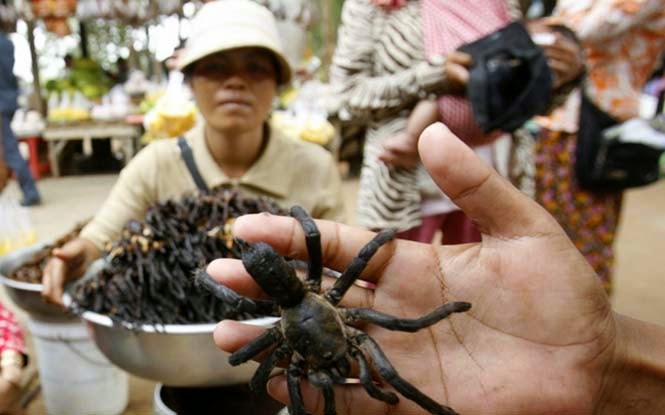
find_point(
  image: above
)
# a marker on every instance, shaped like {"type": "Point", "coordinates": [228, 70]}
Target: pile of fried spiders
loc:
{"type": "Point", "coordinates": [315, 335]}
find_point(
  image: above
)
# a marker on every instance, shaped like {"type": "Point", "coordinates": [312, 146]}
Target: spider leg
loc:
{"type": "Point", "coordinates": [357, 265]}
{"type": "Point", "coordinates": [293, 374]}
{"type": "Point", "coordinates": [313, 241]}
{"type": "Point", "coordinates": [339, 371]}
{"type": "Point", "coordinates": [258, 381]}
{"type": "Point", "coordinates": [272, 273]}
{"type": "Point", "coordinates": [256, 346]}
{"type": "Point", "coordinates": [299, 265]}
{"type": "Point", "coordinates": [390, 375]}
{"type": "Point", "coordinates": [367, 382]}
{"type": "Point", "coordinates": [324, 381]}
{"type": "Point", "coordinates": [389, 322]}
{"type": "Point", "coordinates": [234, 302]}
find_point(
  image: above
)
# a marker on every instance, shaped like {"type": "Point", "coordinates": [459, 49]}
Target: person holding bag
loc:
{"type": "Point", "coordinates": [623, 41]}
{"type": "Point", "coordinates": [397, 67]}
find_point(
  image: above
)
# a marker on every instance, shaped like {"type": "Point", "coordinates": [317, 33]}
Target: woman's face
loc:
{"type": "Point", "coordinates": [234, 89]}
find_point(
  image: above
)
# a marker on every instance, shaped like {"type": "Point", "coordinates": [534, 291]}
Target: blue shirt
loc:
{"type": "Point", "coordinates": [8, 83]}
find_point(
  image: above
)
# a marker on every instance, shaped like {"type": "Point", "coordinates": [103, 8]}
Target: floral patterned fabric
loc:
{"type": "Point", "coordinates": [623, 40]}
{"type": "Point", "coordinates": [11, 336]}
{"type": "Point", "coordinates": [590, 219]}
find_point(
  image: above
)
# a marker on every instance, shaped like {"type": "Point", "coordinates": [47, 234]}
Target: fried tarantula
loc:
{"type": "Point", "coordinates": [314, 333]}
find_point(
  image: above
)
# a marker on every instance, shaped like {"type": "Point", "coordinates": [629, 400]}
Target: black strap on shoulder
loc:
{"type": "Point", "coordinates": [188, 158]}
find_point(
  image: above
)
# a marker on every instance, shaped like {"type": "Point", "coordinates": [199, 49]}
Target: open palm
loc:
{"type": "Point", "coordinates": [540, 332]}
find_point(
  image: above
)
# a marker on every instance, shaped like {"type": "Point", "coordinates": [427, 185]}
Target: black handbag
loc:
{"type": "Point", "coordinates": [510, 80]}
{"type": "Point", "coordinates": [607, 164]}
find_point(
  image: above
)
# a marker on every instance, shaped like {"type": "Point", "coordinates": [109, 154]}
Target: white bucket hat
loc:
{"type": "Point", "coordinates": [229, 24]}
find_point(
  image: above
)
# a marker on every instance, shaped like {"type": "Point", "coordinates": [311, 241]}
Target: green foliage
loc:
{"type": "Point", "coordinates": [86, 76]}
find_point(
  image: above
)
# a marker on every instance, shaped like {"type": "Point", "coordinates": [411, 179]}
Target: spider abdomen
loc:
{"type": "Point", "coordinates": [314, 329]}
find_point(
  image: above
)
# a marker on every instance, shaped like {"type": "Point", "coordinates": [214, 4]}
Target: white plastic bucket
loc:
{"type": "Point", "coordinates": [75, 377]}
{"type": "Point", "coordinates": [159, 406]}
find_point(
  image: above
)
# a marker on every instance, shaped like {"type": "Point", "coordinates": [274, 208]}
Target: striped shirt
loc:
{"type": "Point", "coordinates": [380, 72]}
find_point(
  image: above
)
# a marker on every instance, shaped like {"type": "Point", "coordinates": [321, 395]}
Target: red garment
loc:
{"type": "Point", "coordinates": [389, 4]}
{"type": "Point", "coordinates": [11, 336]}
{"type": "Point", "coordinates": [448, 24]}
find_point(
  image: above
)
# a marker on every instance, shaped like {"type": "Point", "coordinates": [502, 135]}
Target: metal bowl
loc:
{"type": "Point", "coordinates": [173, 354]}
{"type": "Point", "coordinates": [27, 296]}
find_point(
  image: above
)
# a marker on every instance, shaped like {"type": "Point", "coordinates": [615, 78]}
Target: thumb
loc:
{"type": "Point", "coordinates": [68, 251]}
{"type": "Point", "coordinates": [497, 208]}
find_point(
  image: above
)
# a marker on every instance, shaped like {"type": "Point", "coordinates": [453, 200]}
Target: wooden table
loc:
{"type": "Point", "coordinates": [57, 136]}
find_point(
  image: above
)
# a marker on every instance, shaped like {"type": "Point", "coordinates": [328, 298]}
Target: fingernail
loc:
{"type": "Point", "coordinates": [437, 128]}
{"type": "Point", "coordinates": [276, 382]}
{"type": "Point", "coordinates": [245, 218]}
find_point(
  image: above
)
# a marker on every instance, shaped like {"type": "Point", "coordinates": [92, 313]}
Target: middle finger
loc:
{"type": "Point", "coordinates": [232, 273]}
{"type": "Point", "coordinates": [339, 243]}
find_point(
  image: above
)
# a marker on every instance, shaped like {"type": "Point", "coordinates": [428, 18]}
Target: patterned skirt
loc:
{"type": "Point", "coordinates": [590, 219]}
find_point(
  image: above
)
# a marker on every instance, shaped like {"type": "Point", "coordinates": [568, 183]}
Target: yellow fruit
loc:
{"type": "Point", "coordinates": [320, 133]}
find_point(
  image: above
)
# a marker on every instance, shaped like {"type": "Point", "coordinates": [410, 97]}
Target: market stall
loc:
{"type": "Point", "coordinates": [87, 102]}
{"type": "Point", "coordinates": [57, 137]}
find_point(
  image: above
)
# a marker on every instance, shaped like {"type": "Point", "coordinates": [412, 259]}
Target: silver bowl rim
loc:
{"type": "Point", "coordinates": [106, 321]}
{"type": "Point", "coordinates": [20, 285]}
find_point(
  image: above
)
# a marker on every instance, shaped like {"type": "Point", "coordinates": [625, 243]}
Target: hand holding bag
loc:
{"type": "Point", "coordinates": [510, 80]}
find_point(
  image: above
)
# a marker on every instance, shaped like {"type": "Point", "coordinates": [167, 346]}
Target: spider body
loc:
{"type": "Point", "coordinates": [314, 334]}
{"type": "Point", "coordinates": [315, 330]}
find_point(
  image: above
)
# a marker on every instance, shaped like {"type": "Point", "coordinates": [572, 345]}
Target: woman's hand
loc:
{"type": "Point", "coordinates": [564, 56]}
{"type": "Point", "coordinates": [540, 337]}
{"type": "Point", "coordinates": [565, 59]}
{"type": "Point", "coordinates": [9, 398]}
{"type": "Point", "coordinates": [456, 71]}
{"type": "Point", "coordinates": [67, 263]}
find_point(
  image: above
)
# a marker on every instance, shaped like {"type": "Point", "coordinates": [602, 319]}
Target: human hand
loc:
{"type": "Point", "coordinates": [456, 71]}
{"type": "Point", "coordinates": [564, 55]}
{"type": "Point", "coordinates": [540, 337]}
{"type": "Point", "coordinates": [401, 150]}
{"type": "Point", "coordinates": [67, 263]}
{"type": "Point", "coordinates": [9, 398]}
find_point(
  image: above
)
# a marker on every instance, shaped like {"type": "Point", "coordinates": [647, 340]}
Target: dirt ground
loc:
{"type": "Point", "coordinates": [640, 291]}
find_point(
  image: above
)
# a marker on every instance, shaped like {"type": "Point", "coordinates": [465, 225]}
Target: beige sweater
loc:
{"type": "Point", "coordinates": [291, 172]}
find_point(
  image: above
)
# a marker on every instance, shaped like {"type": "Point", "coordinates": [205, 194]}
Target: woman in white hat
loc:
{"type": "Point", "coordinates": [234, 64]}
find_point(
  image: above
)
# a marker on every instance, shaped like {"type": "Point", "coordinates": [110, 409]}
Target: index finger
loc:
{"type": "Point", "coordinates": [565, 45]}
{"type": "Point", "coordinates": [53, 280]}
{"type": "Point", "coordinates": [339, 243]}
{"type": "Point", "coordinates": [460, 58]}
